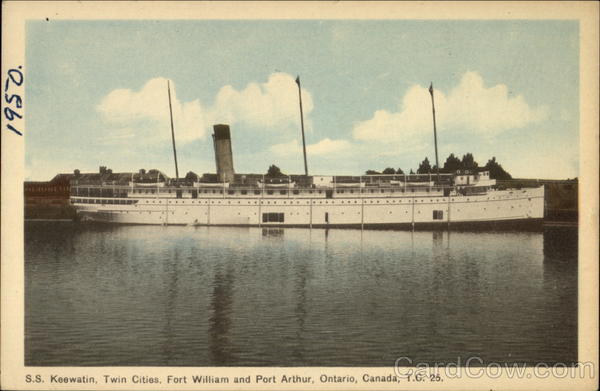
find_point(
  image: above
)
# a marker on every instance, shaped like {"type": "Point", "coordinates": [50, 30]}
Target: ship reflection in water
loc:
{"type": "Point", "coordinates": [211, 296]}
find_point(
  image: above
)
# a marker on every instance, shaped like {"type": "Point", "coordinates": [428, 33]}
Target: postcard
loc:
{"type": "Point", "coordinates": [299, 195]}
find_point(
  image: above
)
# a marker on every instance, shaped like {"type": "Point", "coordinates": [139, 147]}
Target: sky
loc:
{"type": "Point", "coordinates": [96, 94]}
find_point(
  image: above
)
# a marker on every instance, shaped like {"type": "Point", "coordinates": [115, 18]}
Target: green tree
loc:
{"type": "Point", "coordinates": [191, 177]}
{"type": "Point", "coordinates": [399, 171]}
{"type": "Point", "coordinates": [388, 171]}
{"type": "Point", "coordinates": [468, 162]}
{"type": "Point", "coordinates": [274, 171]}
{"type": "Point", "coordinates": [452, 164]}
{"type": "Point", "coordinates": [496, 170]}
{"type": "Point", "coordinates": [372, 172]}
{"type": "Point", "coordinates": [424, 167]}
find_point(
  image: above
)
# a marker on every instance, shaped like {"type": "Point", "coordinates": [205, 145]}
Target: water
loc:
{"type": "Point", "coordinates": [197, 296]}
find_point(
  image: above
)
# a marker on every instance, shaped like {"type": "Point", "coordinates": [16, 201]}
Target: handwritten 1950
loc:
{"type": "Point", "coordinates": [13, 101]}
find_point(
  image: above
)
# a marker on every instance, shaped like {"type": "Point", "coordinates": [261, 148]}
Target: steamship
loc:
{"type": "Point", "coordinates": [462, 199]}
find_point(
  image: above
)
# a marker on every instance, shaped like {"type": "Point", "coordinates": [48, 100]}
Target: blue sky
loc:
{"type": "Point", "coordinates": [96, 94]}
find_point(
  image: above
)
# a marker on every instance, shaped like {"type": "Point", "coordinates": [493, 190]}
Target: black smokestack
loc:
{"type": "Point", "coordinates": [223, 153]}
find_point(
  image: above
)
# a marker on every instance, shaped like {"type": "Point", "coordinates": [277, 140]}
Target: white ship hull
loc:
{"type": "Point", "coordinates": [388, 211]}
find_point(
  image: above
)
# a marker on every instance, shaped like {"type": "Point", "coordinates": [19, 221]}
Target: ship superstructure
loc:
{"type": "Point", "coordinates": [367, 201]}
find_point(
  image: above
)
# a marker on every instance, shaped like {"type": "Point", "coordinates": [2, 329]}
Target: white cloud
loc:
{"type": "Point", "coordinates": [327, 146]}
{"type": "Point", "coordinates": [323, 147]}
{"type": "Point", "coordinates": [284, 149]}
{"type": "Point", "coordinates": [261, 106]}
{"type": "Point", "coordinates": [267, 105]}
{"type": "Point", "coordinates": [470, 107]}
{"type": "Point", "coordinates": [150, 105]}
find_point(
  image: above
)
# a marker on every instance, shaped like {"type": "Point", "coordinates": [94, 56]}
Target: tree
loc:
{"type": "Point", "coordinates": [372, 172]}
{"type": "Point", "coordinates": [424, 167]}
{"type": "Point", "coordinates": [496, 170]}
{"type": "Point", "coordinates": [452, 164]}
{"type": "Point", "coordinates": [191, 177]}
{"type": "Point", "coordinates": [389, 171]}
{"type": "Point", "coordinates": [468, 162]}
{"type": "Point", "coordinates": [274, 171]}
{"type": "Point", "coordinates": [412, 172]}
{"type": "Point", "coordinates": [399, 171]}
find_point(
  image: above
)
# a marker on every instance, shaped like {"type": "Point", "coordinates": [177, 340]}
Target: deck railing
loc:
{"type": "Point", "coordinates": [266, 186]}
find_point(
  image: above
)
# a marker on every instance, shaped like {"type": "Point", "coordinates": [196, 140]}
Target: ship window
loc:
{"type": "Point", "coordinates": [244, 192]}
{"type": "Point", "coordinates": [438, 214]}
{"type": "Point", "coordinates": [296, 191]}
{"type": "Point", "coordinates": [257, 192]}
{"type": "Point", "coordinates": [272, 217]}
{"type": "Point", "coordinates": [270, 192]}
{"type": "Point", "coordinates": [230, 191]}
{"type": "Point", "coordinates": [283, 192]}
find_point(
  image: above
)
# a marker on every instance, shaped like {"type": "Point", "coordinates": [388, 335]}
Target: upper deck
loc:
{"type": "Point", "coordinates": [292, 186]}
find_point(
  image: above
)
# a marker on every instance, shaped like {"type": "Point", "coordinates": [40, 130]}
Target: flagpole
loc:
{"type": "Point", "coordinates": [437, 164]}
{"type": "Point", "coordinates": [302, 125]}
{"type": "Point", "coordinates": [173, 132]}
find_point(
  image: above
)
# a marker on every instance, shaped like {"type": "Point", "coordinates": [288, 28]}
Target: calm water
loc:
{"type": "Point", "coordinates": [198, 296]}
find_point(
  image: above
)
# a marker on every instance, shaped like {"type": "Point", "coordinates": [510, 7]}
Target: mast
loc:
{"type": "Point", "coordinates": [172, 131]}
{"type": "Point", "coordinates": [437, 164]}
{"type": "Point", "coordinates": [302, 125]}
